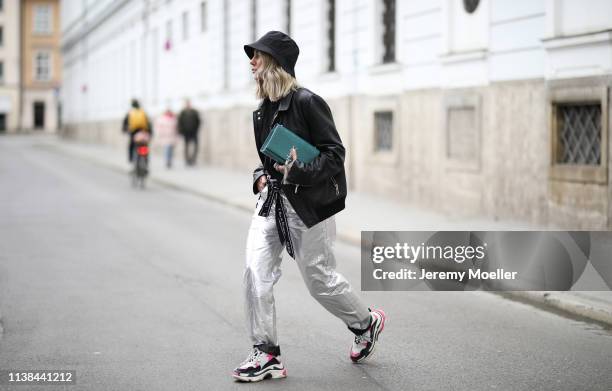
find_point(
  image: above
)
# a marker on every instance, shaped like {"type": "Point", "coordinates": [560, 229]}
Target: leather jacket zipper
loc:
{"type": "Point", "coordinates": [296, 188]}
{"type": "Point", "coordinates": [274, 119]}
{"type": "Point", "coordinates": [335, 185]}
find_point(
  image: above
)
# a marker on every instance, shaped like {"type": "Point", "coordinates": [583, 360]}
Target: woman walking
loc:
{"type": "Point", "coordinates": [165, 125]}
{"type": "Point", "coordinates": [297, 202]}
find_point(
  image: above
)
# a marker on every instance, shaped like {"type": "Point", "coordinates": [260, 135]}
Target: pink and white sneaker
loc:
{"type": "Point", "coordinates": [258, 366]}
{"type": "Point", "coordinates": [364, 344]}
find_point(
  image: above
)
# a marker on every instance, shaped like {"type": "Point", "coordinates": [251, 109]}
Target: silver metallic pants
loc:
{"type": "Point", "coordinates": [315, 259]}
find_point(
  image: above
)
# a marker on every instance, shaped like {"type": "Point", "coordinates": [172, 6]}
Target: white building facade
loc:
{"type": "Point", "coordinates": [9, 66]}
{"type": "Point", "coordinates": [490, 107]}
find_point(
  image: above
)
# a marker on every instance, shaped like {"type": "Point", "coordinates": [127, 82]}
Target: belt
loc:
{"type": "Point", "coordinates": [282, 224]}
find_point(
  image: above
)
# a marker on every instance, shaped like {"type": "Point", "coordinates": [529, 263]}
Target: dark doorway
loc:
{"type": "Point", "coordinates": [39, 115]}
{"type": "Point", "coordinates": [2, 122]}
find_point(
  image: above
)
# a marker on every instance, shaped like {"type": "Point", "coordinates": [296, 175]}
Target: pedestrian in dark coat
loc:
{"type": "Point", "coordinates": [188, 127]}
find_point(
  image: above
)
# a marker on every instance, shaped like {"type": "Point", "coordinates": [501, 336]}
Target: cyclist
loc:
{"type": "Point", "coordinates": [136, 121]}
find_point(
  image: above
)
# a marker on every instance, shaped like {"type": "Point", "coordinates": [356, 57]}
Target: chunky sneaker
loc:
{"type": "Point", "coordinates": [259, 366]}
{"type": "Point", "coordinates": [364, 344]}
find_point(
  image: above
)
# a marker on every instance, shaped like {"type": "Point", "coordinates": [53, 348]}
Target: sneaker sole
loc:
{"type": "Point", "coordinates": [380, 329]}
{"type": "Point", "coordinates": [270, 374]}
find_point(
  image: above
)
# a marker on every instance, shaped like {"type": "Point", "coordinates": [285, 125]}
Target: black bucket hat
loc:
{"type": "Point", "coordinates": [278, 45]}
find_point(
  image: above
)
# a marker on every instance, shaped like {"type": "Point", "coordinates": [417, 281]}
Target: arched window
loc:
{"type": "Point", "coordinates": [470, 5]}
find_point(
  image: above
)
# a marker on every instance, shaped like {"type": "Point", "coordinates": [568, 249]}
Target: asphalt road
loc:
{"type": "Point", "coordinates": [141, 290]}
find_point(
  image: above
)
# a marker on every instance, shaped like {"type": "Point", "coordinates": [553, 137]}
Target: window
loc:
{"type": "Point", "coordinates": [185, 26]}
{"type": "Point", "coordinates": [203, 16]}
{"type": "Point", "coordinates": [462, 137]}
{"type": "Point", "coordinates": [42, 66]}
{"type": "Point", "coordinates": [1, 35]}
{"type": "Point", "coordinates": [462, 126]}
{"type": "Point", "coordinates": [42, 19]}
{"type": "Point", "coordinates": [168, 41]}
{"type": "Point", "coordinates": [1, 72]}
{"type": "Point", "coordinates": [383, 131]}
{"type": "Point", "coordinates": [470, 5]}
{"type": "Point", "coordinates": [579, 134]}
{"type": "Point", "coordinates": [1, 5]}
{"type": "Point", "coordinates": [288, 16]}
{"type": "Point", "coordinates": [331, 35]}
{"type": "Point", "coordinates": [226, 44]}
{"type": "Point", "coordinates": [155, 63]}
{"type": "Point", "coordinates": [388, 31]}
{"type": "Point", "coordinates": [253, 20]}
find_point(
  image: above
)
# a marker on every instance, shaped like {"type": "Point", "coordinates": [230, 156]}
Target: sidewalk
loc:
{"type": "Point", "coordinates": [363, 213]}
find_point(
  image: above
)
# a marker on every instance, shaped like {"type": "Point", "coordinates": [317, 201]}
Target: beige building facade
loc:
{"type": "Point", "coordinates": [41, 66]}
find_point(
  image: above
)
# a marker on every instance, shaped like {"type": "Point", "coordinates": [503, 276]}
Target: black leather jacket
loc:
{"type": "Point", "coordinates": [316, 190]}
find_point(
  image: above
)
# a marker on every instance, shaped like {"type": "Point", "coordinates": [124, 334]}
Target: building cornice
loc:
{"type": "Point", "coordinates": [90, 25]}
{"type": "Point", "coordinates": [578, 39]}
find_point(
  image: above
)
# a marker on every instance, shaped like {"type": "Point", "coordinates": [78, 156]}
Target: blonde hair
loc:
{"type": "Point", "coordinates": [273, 82]}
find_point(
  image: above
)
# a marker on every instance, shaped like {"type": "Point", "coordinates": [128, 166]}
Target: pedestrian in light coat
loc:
{"type": "Point", "coordinates": [166, 134]}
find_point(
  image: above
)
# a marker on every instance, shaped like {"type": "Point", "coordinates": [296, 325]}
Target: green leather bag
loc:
{"type": "Point", "coordinates": [280, 141]}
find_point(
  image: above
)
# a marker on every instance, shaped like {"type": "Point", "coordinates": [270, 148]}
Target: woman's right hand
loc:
{"type": "Point", "coordinates": [261, 183]}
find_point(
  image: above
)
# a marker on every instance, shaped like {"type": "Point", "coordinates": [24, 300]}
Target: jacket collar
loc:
{"type": "Point", "coordinates": [284, 104]}
{"type": "Point", "coordinates": [286, 101]}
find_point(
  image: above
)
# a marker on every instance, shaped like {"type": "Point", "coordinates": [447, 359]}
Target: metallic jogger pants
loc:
{"type": "Point", "coordinates": [316, 262]}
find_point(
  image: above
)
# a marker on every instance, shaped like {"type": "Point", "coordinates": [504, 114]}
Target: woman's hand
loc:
{"type": "Point", "coordinates": [261, 183]}
{"type": "Point", "coordinates": [281, 167]}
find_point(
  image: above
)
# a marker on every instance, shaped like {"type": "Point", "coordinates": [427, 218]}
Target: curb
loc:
{"type": "Point", "coordinates": [568, 304]}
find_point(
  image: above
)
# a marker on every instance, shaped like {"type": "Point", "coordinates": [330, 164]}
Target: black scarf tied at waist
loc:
{"type": "Point", "coordinates": [282, 224]}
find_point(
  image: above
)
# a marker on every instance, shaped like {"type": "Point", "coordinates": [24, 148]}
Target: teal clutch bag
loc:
{"type": "Point", "coordinates": [280, 141]}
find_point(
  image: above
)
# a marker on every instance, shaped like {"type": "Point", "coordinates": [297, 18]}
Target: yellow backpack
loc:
{"type": "Point", "coordinates": [137, 120]}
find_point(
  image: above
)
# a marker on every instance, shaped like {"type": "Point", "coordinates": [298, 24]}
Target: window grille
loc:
{"type": "Point", "coordinates": [579, 134]}
{"type": "Point", "coordinates": [383, 130]}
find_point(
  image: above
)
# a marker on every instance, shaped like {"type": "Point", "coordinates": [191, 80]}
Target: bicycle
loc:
{"type": "Point", "coordinates": [141, 159]}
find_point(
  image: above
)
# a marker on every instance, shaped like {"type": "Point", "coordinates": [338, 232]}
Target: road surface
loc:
{"type": "Point", "coordinates": [141, 290]}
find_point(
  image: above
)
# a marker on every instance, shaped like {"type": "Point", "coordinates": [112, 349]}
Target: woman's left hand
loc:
{"type": "Point", "coordinates": [282, 167]}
